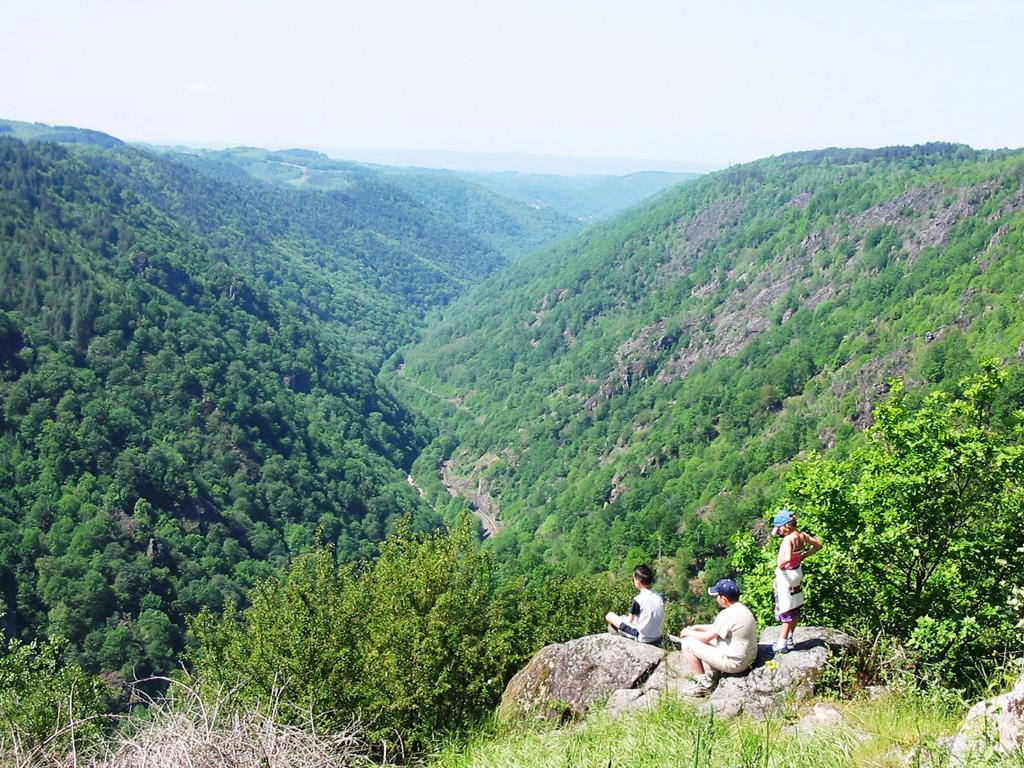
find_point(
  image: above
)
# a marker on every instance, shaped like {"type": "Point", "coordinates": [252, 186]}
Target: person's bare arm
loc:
{"type": "Point", "coordinates": [810, 545]}
{"type": "Point", "coordinates": [702, 632]}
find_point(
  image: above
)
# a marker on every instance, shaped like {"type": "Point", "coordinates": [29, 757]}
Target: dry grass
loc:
{"type": "Point", "coordinates": [186, 731]}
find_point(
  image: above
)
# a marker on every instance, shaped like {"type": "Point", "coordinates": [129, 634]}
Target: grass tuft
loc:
{"type": "Point", "coordinates": [188, 731]}
{"type": "Point", "coordinates": [894, 730]}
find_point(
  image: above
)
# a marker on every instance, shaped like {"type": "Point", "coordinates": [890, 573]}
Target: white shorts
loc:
{"type": "Point", "coordinates": [713, 656]}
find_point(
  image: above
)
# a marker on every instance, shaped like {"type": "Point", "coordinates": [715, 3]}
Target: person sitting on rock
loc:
{"type": "Point", "coordinates": [728, 645]}
{"type": "Point", "coordinates": [789, 575]}
{"type": "Point", "coordinates": [647, 614]}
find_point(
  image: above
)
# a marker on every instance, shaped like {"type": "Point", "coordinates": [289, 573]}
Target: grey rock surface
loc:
{"type": "Point", "coordinates": [630, 699]}
{"type": "Point", "coordinates": [772, 683]}
{"type": "Point", "coordinates": [992, 727]}
{"type": "Point", "coordinates": [671, 676]}
{"type": "Point", "coordinates": [777, 680]}
{"type": "Point", "coordinates": [566, 678]}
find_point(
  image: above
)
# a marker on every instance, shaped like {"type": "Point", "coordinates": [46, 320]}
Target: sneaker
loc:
{"type": "Point", "coordinates": [702, 685]}
{"type": "Point", "coordinates": [790, 643]}
{"type": "Point", "coordinates": [783, 646]}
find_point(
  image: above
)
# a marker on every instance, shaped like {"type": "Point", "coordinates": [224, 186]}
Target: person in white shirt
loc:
{"type": "Point", "coordinates": [728, 645]}
{"type": "Point", "coordinates": [646, 617]}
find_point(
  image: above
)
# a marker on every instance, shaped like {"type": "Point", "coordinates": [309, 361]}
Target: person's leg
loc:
{"type": "Point", "coordinates": [707, 662]}
{"type": "Point", "coordinates": [695, 665]}
{"type": "Point", "coordinates": [707, 658]}
{"type": "Point", "coordinates": [780, 617]}
{"type": "Point", "coordinates": [619, 625]}
{"type": "Point", "coordinates": [788, 621]}
{"type": "Point", "coordinates": [791, 635]}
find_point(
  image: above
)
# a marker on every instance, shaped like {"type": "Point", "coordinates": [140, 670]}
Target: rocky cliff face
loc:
{"type": "Point", "coordinates": [475, 490]}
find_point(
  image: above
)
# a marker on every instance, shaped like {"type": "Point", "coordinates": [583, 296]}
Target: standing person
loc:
{"type": "Point", "coordinates": [789, 575]}
{"type": "Point", "coordinates": [728, 645]}
{"type": "Point", "coordinates": [646, 616]}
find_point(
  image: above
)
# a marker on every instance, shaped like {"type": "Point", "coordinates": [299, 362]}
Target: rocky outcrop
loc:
{"type": "Point", "coordinates": [477, 496]}
{"type": "Point", "coordinates": [567, 679]}
{"type": "Point", "coordinates": [992, 727]}
{"type": "Point", "coordinates": [777, 680]}
{"type": "Point", "coordinates": [564, 679]}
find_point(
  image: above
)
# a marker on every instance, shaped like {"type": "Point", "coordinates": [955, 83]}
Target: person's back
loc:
{"type": "Point", "coordinates": [646, 619]}
{"type": "Point", "coordinates": [650, 612]}
{"type": "Point", "coordinates": [737, 629]}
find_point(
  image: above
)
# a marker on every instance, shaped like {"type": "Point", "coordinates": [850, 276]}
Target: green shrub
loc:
{"type": "Point", "coordinates": [417, 645]}
{"type": "Point", "coordinates": [923, 530]}
{"type": "Point", "coordinates": [45, 705]}
{"type": "Point", "coordinates": [403, 645]}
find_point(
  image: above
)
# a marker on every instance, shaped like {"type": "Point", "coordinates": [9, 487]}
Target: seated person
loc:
{"type": "Point", "coordinates": [728, 645]}
{"type": "Point", "coordinates": [647, 615]}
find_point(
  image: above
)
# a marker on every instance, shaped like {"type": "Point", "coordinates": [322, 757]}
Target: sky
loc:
{"type": "Point", "coordinates": [645, 83]}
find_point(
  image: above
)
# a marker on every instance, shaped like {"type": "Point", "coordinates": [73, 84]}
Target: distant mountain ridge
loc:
{"type": "Point", "coordinates": [587, 198]}
{"type": "Point", "coordinates": [514, 213]}
{"type": "Point", "coordinates": [64, 134]}
{"type": "Point", "coordinates": [509, 227]}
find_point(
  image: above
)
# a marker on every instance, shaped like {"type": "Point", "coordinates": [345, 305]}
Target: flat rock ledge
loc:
{"type": "Point", "coordinates": [566, 679]}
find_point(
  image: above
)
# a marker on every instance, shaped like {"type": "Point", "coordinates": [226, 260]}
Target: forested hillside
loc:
{"type": "Point", "coordinates": [511, 228]}
{"type": "Point", "coordinates": [188, 382]}
{"type": "Point", "coordinates": [637, 392]}
{"type": "Point", "coordinates": [514, 213]}
{"type": "Point", "coordinates": [63, 134]}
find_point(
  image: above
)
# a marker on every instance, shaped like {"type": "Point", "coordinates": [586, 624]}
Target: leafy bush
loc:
{"type": "Point", "coordinates": [402, 644]}
{"type": "Point", "coordinates": [923, 529]}
{"type": "Point", "coordinates": [415, 645]}
{"type": "Point", "coordinates": [46, 707]}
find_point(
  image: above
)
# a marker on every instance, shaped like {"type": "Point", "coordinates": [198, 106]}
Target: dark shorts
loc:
{"type": "Point", "coordinates": [627, 630]}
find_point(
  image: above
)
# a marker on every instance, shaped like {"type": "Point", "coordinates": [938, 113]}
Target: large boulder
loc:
{"type": "Point", "coordinates": [773, 682]}
{"type": "Point", "coordinates": [564, 679]}
{"type": "Point", "coordinates": [993, 726]}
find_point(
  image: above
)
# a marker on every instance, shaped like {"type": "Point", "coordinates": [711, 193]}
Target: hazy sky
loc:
{"type": "Point", "coordinates": [711, 82]}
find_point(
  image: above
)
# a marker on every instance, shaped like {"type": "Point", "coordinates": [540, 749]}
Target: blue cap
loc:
{"type": "Point", "coordinates": [782, 517]}
{"type": "Point", "coordinates": [726, 587]}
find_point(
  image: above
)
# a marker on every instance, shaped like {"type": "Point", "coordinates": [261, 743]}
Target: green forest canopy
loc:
{"type": "Point", "coordinates": [187, 373]}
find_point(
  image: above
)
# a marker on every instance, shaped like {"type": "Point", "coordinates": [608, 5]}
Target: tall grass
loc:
{"type": "Point", "coordinates": [188, 731]}
{"type": "Point", "coordinates": [891, 731]}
